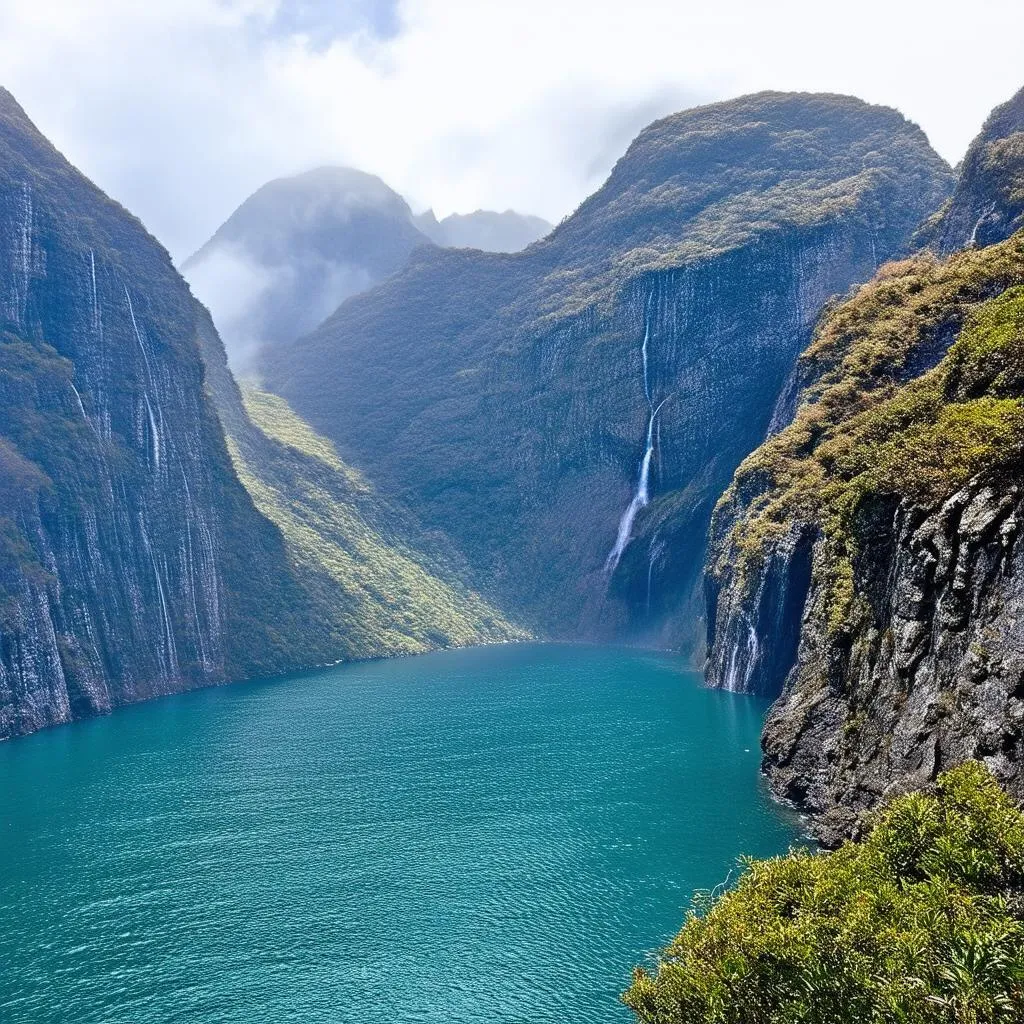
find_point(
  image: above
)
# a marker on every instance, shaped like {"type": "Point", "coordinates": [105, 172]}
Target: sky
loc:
{"type": "Point", "coordinates": [181, 108]}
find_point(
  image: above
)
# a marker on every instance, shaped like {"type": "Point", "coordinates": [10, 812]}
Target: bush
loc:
{"type": "Point", "coordinates": [919, 923]}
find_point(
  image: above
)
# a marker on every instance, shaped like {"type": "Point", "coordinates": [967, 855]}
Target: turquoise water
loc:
{"type": "Point", "coordinates": [486, 835]}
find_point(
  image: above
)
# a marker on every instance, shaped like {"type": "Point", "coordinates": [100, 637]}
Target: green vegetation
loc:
{"type": "Point", "coordinates": [276, 418]}
{"type": "Point", "coordinates": [988, 203]}
{"type": "Point", "coordinates": [48, 456]}
{"type": "Point", "coordinates": [922, 922]}
{"type": "Point", "coordinates": [375, 592]}
{"type": "Point", "coordinates": [707, 181]}
{"type": "Point", "coordinates": [876, 424]}
{"type": "Point", "coordinates": [500, 398]}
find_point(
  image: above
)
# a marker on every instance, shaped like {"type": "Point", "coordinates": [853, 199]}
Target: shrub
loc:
{"type": "Point", "coordinates": [918, 923]}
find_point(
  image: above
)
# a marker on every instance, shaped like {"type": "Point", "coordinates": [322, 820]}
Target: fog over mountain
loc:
{"type": "Point", "coordinates": [299, 246]}
{"type": "Point", "coordinates": [182, 110]}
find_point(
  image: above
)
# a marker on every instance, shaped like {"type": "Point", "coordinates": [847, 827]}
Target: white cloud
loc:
{"type": "Point", "coordinates": [181, 108]}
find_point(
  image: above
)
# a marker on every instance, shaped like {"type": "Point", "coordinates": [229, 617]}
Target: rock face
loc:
{"type": "Point", "coordinates": [988, 204]}
{"type": "Point", "coordinates": [132, 562]}
{"type": "Point", "coordinates": [567, 416]}
{"type": "Point", "coordinates": [933, 676]}
{"type": "Point", "coordinates": [865, 567]}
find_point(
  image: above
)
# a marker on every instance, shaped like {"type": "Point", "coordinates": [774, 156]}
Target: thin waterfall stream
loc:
{"type": "Point", "coordinates": [641, 498]}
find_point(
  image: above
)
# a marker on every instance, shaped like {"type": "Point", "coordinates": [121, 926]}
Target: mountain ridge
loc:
{"type": "Point", "coordinates": [439, 358]}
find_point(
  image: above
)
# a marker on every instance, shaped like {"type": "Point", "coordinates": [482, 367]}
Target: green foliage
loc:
{"type": "Point", "coordinates": [500, 399]}
{"type": "Point", "coordinates": [375, 592]}
{"type": "Point", "coordinates": [876, 424]}
{"type": "Point", "coordinates": [919, 923]}
{"type": "Point", "coordinates": [706, 181]}
{"type": "Point", "coordinates": [988, 203]}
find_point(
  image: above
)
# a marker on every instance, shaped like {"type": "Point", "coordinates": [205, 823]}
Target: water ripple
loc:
{"type": "Point", "coordinates": [491, 835]}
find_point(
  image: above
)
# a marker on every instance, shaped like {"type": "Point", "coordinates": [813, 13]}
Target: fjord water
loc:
{"type": "Point", "coordinates": [485, 835]}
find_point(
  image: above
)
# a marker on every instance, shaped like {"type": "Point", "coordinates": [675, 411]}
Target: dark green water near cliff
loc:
{"type": "Point", "coordinates": [486, 835]}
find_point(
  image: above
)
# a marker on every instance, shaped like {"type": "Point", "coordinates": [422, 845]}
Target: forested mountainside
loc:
{"type": "Point", "coordinates": [379, 585]}
{"type": "Point", "coordinates": [567, 416]}
{"type": "Point", "coordinates": [299, 246]}
{"type": "Point", "coordinates": [484, 229]}
{"type": "Point", "coordinates": [988, 204]}
{"type": "Point", "coordinates": [132, 561]}
{"type": "Point", "coordinates": [864, 564]}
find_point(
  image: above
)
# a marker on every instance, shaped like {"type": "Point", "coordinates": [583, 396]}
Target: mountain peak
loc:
{"type": "Point", "coordinates": [988, 204]}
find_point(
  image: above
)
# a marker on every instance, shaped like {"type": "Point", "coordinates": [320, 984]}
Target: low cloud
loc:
{"type": "Point", "coordinates": [232, 287]}
{"type": "Point", "coordinates": [182, 108]}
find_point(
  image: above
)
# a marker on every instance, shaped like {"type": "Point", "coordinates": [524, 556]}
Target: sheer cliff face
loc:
{"type": "Point", "coordinates": [865, 566]}
{"type": "Point", "coordinates": [988, 204]}
{"type": "Point", "coordinates": [566, 416]}
{"type": "Point", "coordinates": [131, 559]}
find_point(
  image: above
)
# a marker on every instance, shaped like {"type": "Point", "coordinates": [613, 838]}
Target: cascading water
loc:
{"type": "Point", "coordinates": [657, 549]}
{"type": "Point", "coordinates": [97, 324]}
{"type": "Point", "coordinates": [977, 226]}
{"type": "Point", "coordinates": [738, 662]}
{"type": "Point", "coordinates": [155, 431]}
{"type": "Point", "coordinates": [641, 499]}
{"type": "Point", "coordinates": [23, 257]}
{"type": "Point", "coordinates": [168, 649]}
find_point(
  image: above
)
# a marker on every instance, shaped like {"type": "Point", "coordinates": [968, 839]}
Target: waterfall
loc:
{"type": "Point", "coordinates": [96, 324]}
{"type": "Point", "coordinates": [168, 649]}
{"type": "Point", "coordinates": [154, 431]}
{"type": "Point", "coordinates": [641, 497]}
{"type": "Point", "coordinates": [207, 577]}
{"type": "Point", "coordinates": [78, 399]}
{"type": "Point", "coordinates": [973, 242]}
{"type": "Point", "coordinates": [23, 256]}
{"type": "Point", "coordinates": [81, 409]}
{"type": "Point", "coordinates": [655, 552]}
{"type": "Point", "coordinates": [753, 651]}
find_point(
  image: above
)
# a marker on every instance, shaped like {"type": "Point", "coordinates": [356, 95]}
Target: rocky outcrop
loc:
{"type": "Point", "coordinates": [567, 416]}
{"type": "Point", "coordinates": [865, 564]}
{"type": "Point", "coordinates": [933, 675]}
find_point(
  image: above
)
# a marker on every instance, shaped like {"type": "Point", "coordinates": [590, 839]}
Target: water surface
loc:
{"type": "Point", "coordinates": [486, 835]}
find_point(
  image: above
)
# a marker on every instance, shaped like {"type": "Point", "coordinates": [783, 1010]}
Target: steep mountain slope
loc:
{"type": "Point", "coordinates": [379, 586]}
{"type": "Point", "coordinates": [484, 229]}
{"type": "Point", "coordinates": [988, 204]}
{"type": "Point", "coordinates": [568, 415]}
{"type": "Point", "coordinates": [132, 561]}
{"type": "Point", "coordinates": [865, 561]}
{"type": "Point", "coordinates": [294, 250]}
